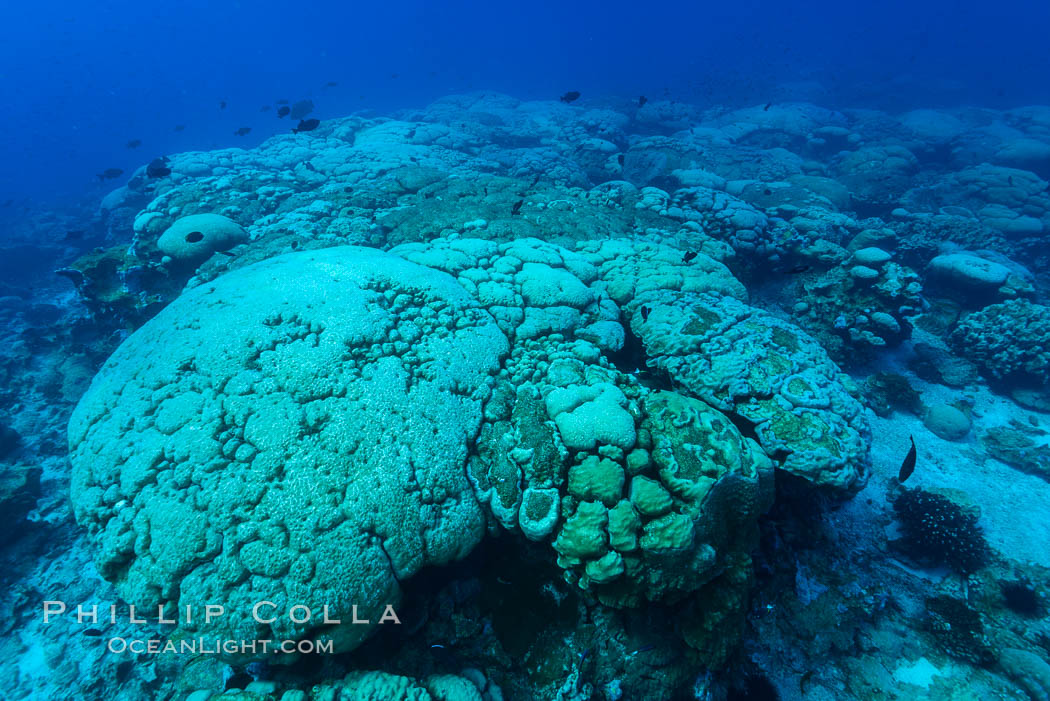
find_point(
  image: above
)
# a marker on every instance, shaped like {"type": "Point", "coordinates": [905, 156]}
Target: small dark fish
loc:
{"type": "Point", "coordinates": [306, 125]}
{"type": "Point", "coordinates": [689, 255]}
{"type": "Point", "coordinates": [517, 207]}
{"type": "Point", "coordinates": [243, 131]}
{"type": "Point", "coordinates": [134, 143]}
{"type": "Point", "coordinates": [908, 466]}
{"type": "Point", "coordinates": [8, 203]}
{"type": "Point", "coordinates": [73, 235]}
{"type": "Point", "coordinates": [394, 75]}
{"type": "Point", "coordinates": [302, 108]}
{"type": "Point", "coordinates": [222, 104]}
{"type": "Point", "coordinates": [265, 108]}
{"type": "Point", "coordinates": [280, 102]}
{"type": "Point", "coordinates": [331, 84]}
{"type": "Point", "coordinates": [642, 99]}
{"type": "Point", "coordinates": [295, 245]}
{"type": "Point", "coordinates": [283, 112]}
{"type": "Point", "coordinates": [158, 168]}
{"type": "Point", "coordinates": [645, 313]}
{"type": "Point", "coordinates": [768, 105]}
{"type": "Point", "coordinates": [92, 632]}
{"type": "Point", "coordinates": [620, 159]}
{"type": "Point", "coordinates": [180, 127]}
{"type": "Point", "coordinates": [767, 191]}
{"type": "Point", "coordinates": [795, 270]}
{"type": "Point", "coordinates": [110, 173]}
{"type": "Point", "coordinates": [571, 96]}
{"type": "Point", "coordinates": [1010, 179]}
{"type": "Point", "coordinates": [583, 658]}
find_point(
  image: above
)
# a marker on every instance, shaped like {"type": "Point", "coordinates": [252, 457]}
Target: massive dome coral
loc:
{"type": "Point", "coordinates": [315, 428]}
{"type": "Point", "coordinates": [262, 439]}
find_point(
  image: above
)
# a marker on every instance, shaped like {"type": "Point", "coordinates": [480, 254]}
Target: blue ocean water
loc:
{"type": "Point", "coordinates": [476, 351]}
{"type": "Point", "coordinates": [82, 81]}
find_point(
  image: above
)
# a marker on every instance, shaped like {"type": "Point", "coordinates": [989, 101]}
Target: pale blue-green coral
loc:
{"type": "Point", "coordinates": [244, 446]}
{"type": "Point", "coordinates": [1010, 341]}
{"type": "Point", "coordinates": [578, 449]}
{"type": "Point", "coordinates": [195, 237]}
{"type": "Point", "coordinates": [748, 362]}
{"type": "Point", "coordinates": [695, 324]}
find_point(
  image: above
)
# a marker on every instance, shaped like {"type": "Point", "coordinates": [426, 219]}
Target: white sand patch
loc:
{"type": "Point", "coordinates": [919, 673]}
{"type": "Point", "coordinates": [1015, 506]}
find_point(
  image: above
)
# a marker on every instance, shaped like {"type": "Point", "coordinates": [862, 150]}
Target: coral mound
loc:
{"type": "Point", "coordinates": [939, 531]}
{"type": "Point", "coordinates": [246, 446]}
{"type": "Point", "coordinates": [1010, 341]}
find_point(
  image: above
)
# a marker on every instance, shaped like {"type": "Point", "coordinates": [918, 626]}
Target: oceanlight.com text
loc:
{"type": "Point", "coordinates": [203, 646]}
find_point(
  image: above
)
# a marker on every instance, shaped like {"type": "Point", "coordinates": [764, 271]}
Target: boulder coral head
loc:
{"type": "Point", "coordinates": [244, 447]}
{"type": "Point", "coordinates": [371, 414]}
{"type": "Point", "coordinates": [193, 238]}
{"type": "Point", "coordinates": [1009, 341]}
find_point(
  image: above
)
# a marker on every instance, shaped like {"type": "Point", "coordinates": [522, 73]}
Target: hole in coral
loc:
{"type": "Point", "coordinates": [194, 237]}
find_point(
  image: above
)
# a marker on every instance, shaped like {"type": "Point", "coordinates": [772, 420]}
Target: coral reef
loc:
{"type": "Point", "coordinates": [584, 390]}
{"type": "Point", "coordinates": [264, 463]}
{"type": "Point", "coordinates": [1009, 341]}
{"type": "Point", "coordinates": [958, 630]}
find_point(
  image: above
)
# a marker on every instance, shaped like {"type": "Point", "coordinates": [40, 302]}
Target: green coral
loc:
{"type": "Point", "coordinates": [730, 356]}
{"type": "Point", "coordinates": [641, 478]}
{"type": "Point", "coordinates": [595, 478]}
{"type": "Point", "coordinates": [648, 497]}
{"type": "Point", "coordinates": [118, 283]}
{"type": "Point", "coordinates": [696, 505]}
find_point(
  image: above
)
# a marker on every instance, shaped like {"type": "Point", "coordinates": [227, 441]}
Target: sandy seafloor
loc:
{"type": "Point", "coordinates": [581, 343]}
